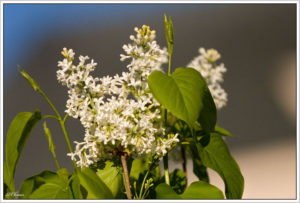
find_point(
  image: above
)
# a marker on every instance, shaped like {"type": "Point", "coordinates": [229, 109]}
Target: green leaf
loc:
{"type": "Point", "coordinates": [30, 188]}
{"type": "Point", "coordinates": [198, 168]}
{"type": "Point", "coordinates": [222, 131]}
{"type": "Point", "coordinates": [185, 94]}
{"type": "Point", "coordinates": [16, 137]}
{"type": "Point", "coordinates": [138, 168]}
{"type": "Point", "coordinates": [200, 171]}
{"type": "Point", "coordinates": [164, 191]}
{"type": "Point", "coordinates": [52, 191]}
{"type": "Point", "coordinates": [8, 179]}
{"type": "Point", "coordinates": [178, 181]}
{"type": "Point", "coordinates": [75, 187]}
{"type": "Point", "coordinates": [49, 138]}
{"type": "Point", "coordinates": [64, 174]}
{"type": "Point", "coordinates": [202, 190]}
{"type": "Point", "coordinates": [29, 79]}
{"type": "Point", "coordinates": [94, 185]}
{"type": "Point", "coordinates": [27, 187]}
{"type": "Point", "coordinates": [112, 177]}
{"type": "Point", "coordinates": [208, 114]}
{"type": "Point", "coordinates": [216, 156]}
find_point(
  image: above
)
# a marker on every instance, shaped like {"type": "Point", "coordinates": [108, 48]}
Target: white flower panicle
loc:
{"type": "Point", "coordinates": [205, 63]}
{"type": "Point", "coordinates": [119, 113]}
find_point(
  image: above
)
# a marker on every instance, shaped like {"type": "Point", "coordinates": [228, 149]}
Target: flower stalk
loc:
{"type": "Point", "coordinates": [126, 175]}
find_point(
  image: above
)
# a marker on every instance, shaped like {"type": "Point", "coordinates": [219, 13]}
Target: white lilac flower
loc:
{"type": "Point", "coordinates": [206, 64]}
{"type": "Point", "coordinates": [118, 113]}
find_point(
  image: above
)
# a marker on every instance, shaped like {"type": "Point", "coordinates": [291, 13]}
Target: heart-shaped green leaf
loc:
{"type": "Point", "coordinates": [216, 156]}
{"type": "Point", "coordinates": [186, 95]}
{"type": "Point", "coordinates": [16, 137]}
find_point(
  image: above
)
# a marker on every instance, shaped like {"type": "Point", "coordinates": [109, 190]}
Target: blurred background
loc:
{"type": "Point", "coordinates": [258, 47]}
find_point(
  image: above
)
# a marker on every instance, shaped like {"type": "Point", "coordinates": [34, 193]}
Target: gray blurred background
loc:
{"type": "Point", "coordinates": [258, 47]}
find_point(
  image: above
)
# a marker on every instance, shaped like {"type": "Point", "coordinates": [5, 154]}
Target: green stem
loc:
{"type": "Point", "coordinates": [140, 196]}
{"type": "Point", "coordinates": [66, 135]}
{"type": "Point", "coordinates": [166, 169]}
{"type": "Point", "coordinates": [165, 158]}
{"type": "Point", "coordinates": [183, 160]}
{"type": "Point", "coordinates": [65, 118]}
{"type": "Point", "coordinates": [169, 68]}
{"type": "Point", "coordinates": [50, 103]}
{"type": "Point", "coordinates": [50, 116]}
{"type": "Point", "coordinates": [56, 162]}
{"type": "Point", "coordinates": [61, 122]}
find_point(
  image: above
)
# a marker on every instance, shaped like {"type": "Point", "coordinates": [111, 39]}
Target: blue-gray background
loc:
{"type": "Point", "coordinates": [257, 43]}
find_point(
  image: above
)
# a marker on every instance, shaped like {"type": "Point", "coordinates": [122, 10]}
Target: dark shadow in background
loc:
{"type": "Point", "coordinates": [251, 38]}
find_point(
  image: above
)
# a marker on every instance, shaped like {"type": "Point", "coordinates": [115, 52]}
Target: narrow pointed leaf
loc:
{"type": "Point", "coordinates": [222, 131]}
{"type": "Point", "coordinates": [29, 79]}
{"type": "Point", "coordinates": [49, 138]}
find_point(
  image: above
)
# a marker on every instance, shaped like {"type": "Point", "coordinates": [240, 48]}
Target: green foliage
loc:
{"type": "Point", "coordinates": [185, 95]}
{"type": "Point", "coordinates": [51, 144]}
{"type": "Point", "coordinates": [202, 190]}
{"type": "Point", "coordinates": [76, 188]}
{"type": "Point", "coordinates": [49, 138]}
{"type": "Point", "coordinates": [222, 131]}
{"type": "Point", "coordinates": [197, 190]}
{"type": "Point", "coordinates": [216, 156]}
{"type": "Point", "coordinates": [200, 170]}
{"type": "Point", "coordinates": [178, 181]}
{"type": "Point", "coordinates": [16, 137]}
{"type": "Point", "coordinates": [138, 168]}
{"type": "Point", "coordinates": [112, 177]}
{"type": "Point", "coordinates": [164, 191]}
{"type": "Point", "coordinates": [29, 79]}
{"type": "Point", "coordinates": [47, 185]}
{"type": "Point", "coordinates": [94, 186]}
{"type": "Point", "coordinates": [64, 174]}
{"type": "Point", "coordinates": [52, 191]}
